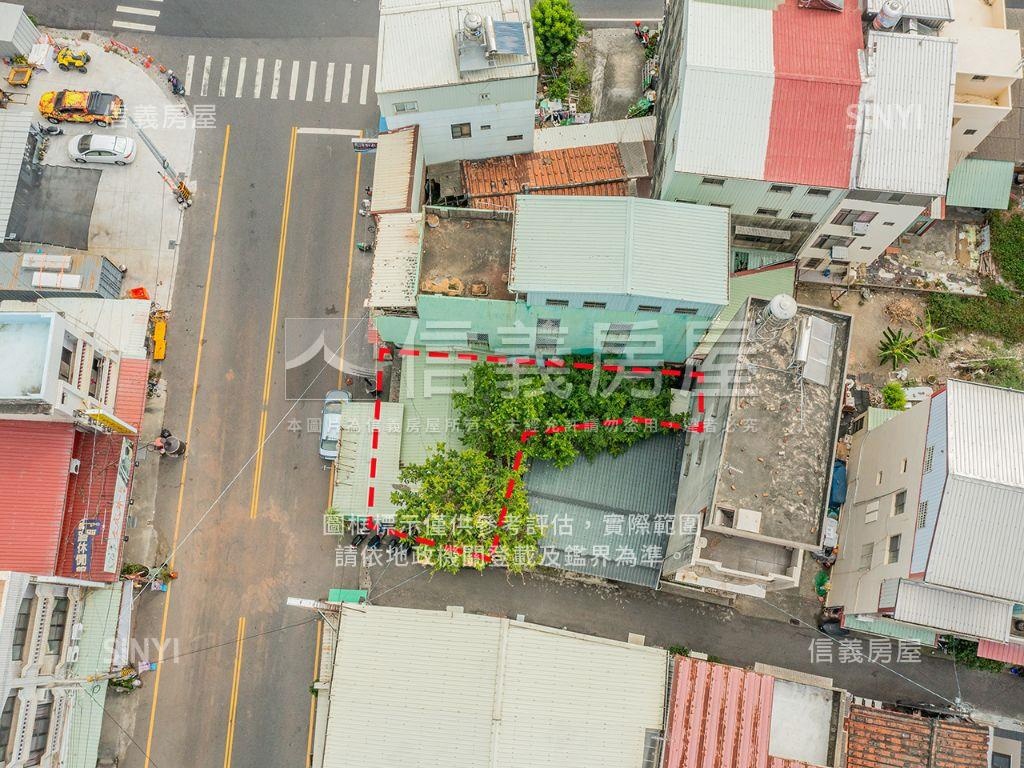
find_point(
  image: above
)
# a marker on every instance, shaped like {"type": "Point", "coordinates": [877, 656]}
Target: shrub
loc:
{"type": "Point", "coordinates": [556, 28]}
{"type": "Point", "coordinates": [1008, 246]}
{"type": "Point", "coordinates": [894, 396]}
{"type": "Point", "coordinates": [966, 654]}
{"type": "Point", "coordinates": [999, 314]}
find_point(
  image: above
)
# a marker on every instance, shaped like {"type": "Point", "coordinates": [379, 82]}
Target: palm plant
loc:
{"type": "Point", "coordinates": [932, 336]}
{"type": "Point", "coordinates": [898, 348]}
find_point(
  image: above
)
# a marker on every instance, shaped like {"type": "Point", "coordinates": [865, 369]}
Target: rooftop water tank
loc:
{"type": "Point", "coordinates": [782, 307]}
{"type": "Point", "coordinates": [889, 15]}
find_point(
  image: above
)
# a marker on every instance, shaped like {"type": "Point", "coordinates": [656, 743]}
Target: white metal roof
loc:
{"type": "Point", "coordinates": [14, 128]}
{"type": "Point", "coordinates": [939, 10]}
{"type": "Point", "coordinates": [979, 535]}
{"type": "Point", "coordinates": [638, 129]}
{"type": "Point", "coordinates": [953, 610]}
{"type": "Point", "coordinates": [416, 45]}
{"type": "Point", "coordinates": [640, 247]}
{"type": "Point", "coordinates": [120, 323]}
{"type": "Point", "coordinates": [394, 171]}
{"type": "Point", "coordinates": [465, 691]}
{"type": "Point", "coordinates": [396, 261]}
{"type": "Point", "coordinates": [907, 113]}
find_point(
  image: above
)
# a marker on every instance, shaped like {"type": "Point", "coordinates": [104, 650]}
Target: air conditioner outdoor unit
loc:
{"type": "Point", "coordinates": [76, 630]}
{"type": "Point", "coordinates": [860, 227]}
{"type": "Point", "coordinates": [72, 654]}
{"type": "Point", "coordinates": [839, 254]}
{"type": "Point", "coordinates": [76, 464]}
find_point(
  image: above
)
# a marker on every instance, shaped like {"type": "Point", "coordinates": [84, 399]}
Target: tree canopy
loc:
{"type": "Point", "coordinates": [556, 28]}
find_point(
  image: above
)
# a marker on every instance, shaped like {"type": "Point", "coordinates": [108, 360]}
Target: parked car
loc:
{"type": "Point", "coordinates": [330, 423]}
{"type": "Point", "coordinates": [81, 107]}
{"type": "Point", "coordinates": [96, 148]}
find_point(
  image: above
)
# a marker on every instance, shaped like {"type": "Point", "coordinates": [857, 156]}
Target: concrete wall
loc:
{"type": "Point", "coordinates": [891, 221]}
{"type": "Point", "coordinates": [933, 483]}
{"type": "Point", "coordinates": [979, 117]}
{"type": "Point", "coordinates": [745, 196]}
{"type": "Point", "coordinates": [620, 302]}
{"type": "Point", "coordinates": [883, 462]}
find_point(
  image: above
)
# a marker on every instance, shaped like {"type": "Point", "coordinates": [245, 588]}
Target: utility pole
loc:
{"type": "Point", "coordinates": [172, 179]}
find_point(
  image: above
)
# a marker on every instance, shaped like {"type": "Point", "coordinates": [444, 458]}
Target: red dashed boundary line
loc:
{"type": "Point", "coordinates": [382, 355]}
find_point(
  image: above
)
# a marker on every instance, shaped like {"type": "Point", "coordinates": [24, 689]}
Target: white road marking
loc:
{"type": "Point", "coordinates": [241, 78]}
{"type": "Point", "coordinates": [223, 86]}
{"type": "Point", "coordinates": [293, 84]}
{"type": "Point", "coordinates": [206, 75]}
{"type": "Point", "coordinates": [311, 85]}
{"type": "Point", "coordinates": [188, 74]}
{"type": "Point", "coordinates": [330, 131]}
{"type": "Point", "coordinates": [132, 25]}
{"type": "Point", "coordinates": [330, 82]}
{"type": "Point", "coordinates": [258, 87]}
{"type": "Point", "coordinates": [277, 79]}
{"type": "Point", "coordinates": [345, 85]}
{"type": "Point", "coordinates": [137, 11]}
{"type": "Point", "coordinates": [366, 82]}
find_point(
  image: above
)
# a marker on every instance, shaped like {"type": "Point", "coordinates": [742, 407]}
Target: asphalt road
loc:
{"type": "Point", "coordinates": [244, 270]}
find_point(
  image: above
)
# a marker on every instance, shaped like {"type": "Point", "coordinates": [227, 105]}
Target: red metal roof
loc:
{"type": "Point", "coordinates": [882, 739]}
{"type": "Point", "coordinates": [591, 170]}
{"type": "Point", "coordinates": [814, 104]}
{"type": "Point", "coordinates": [35, 458]}
{"type": "Point", "coordinates": [1011, 653]}
{"type": "Point", "coordinates": [91, 492]}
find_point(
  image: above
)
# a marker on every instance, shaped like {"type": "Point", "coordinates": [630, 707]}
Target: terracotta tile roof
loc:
{"type": "Point", "coordinates": [35, 457]}
{"type": "Point", "coordinates": [593, 170]}
{"type": "Point", "coordinates": [882, 739]}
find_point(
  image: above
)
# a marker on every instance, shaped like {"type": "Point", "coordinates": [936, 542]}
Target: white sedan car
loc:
{"type": "Point", "coordinates": [101, 148]}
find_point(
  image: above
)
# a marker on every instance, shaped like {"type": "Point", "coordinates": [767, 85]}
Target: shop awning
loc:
{"type": "Point", "coordinates": [1011, 653]}
{"type": "Point", "coordinates": [978, 183]}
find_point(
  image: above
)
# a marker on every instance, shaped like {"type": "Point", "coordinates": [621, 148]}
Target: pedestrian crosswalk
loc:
{"type": "Point", "coordinates": [276, 79]}
{"type": "Point", "coordinates": [137, 18]}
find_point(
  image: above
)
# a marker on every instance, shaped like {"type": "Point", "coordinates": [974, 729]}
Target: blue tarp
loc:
{"type": "Point", "coordinates": [837, 495]}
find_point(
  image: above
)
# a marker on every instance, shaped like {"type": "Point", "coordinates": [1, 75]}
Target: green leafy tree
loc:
{"type": "Point", "coordinates": [898, 348]}
{"type": "Point", "coordinates": [556, 28]}
{"type": "Point", "coordinates": [894, 397]}
{"type": "Point", "coordinates": [455, 498]}
{"type": "Point", "coordinates": [932, 336]}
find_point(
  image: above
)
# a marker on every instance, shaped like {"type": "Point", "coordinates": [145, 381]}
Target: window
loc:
{"type": "Point", "coordinates": [893, 554]}
{"type": "Point", "coordinates": [21, 629]}
{"type": "Point", "coordinates": [817, 192]}
{"type": "Point", "coordinates": [485, 97]}
{"type": "Point", "coordinates": [514, 137]}
{"type": "Point", "coordinates": [922, 514]}
{"type": "Point", "coordinates": [888, 223]}
{"type": "Point", "coordinates": [970, 132]}
{"type": "Point", "coordinates": [847, 218]}
{"type": "Point", "coordinates": [6, 721]}
{"type": "Point", "coordinates": [896, 197]}
{"type": "Point", "coordinates": [773, 212]}
{"type": "Point", "coordinates": [40, 733]}
{"type": "Point", "coordinates": [406, 106]}
{"type": "Point", "coordinates": [871, 513]}
{"type": "Point", "coordinates": [929, 457]}
{"type": "Point", "coordinates": [878, 481]}
{"type": "Point", "coordinates": [814, 263]}
{"type": "Point", "coordinates": [903, 467]}
{"type": "Point", "coordinates": [461, 131]}
{"type": "Point", "coordinates": [95, 374]}
{"type": "Point", "coordinates": [615, 338]}
{"type": "Point", "coordinates": [548, 332]}
{"type": "Point", "coordinates": [67, 357]}
{"type": "Point", "coordinates": [979, 78]}
{"type": "Point", "coordinates": [485, 127]}
{"type": "Point", "coordinates": [594, 304]}
{"type": "Point", "coordinates": [867, 554]}
{"type": "Point", "coordinates": [900, 504]}
{"type": "Point", "coordinates": [700, 452]}
{"type": "Point", "coordinates": [480, 341]}
{"type": "Point", "coordinates": [865, 247]}
{"type": "Point", "coordinates": [648, 308]}
{"type": "Point", "coordinates": [684, 311]}
{"type": "Point", "coordinates": [727, 206]}
{"type": "Point", "coordinates": [783, 188]}
{"type": "Point", "coordinates": [999, 760]}
{"type": "Point", "coordinates": [557, 302]}
{"type": "Point", "coordinates": [801, 216]}
{"type": "Point", "coordinates": [712, 181]}
{"type": "Point", "coordinates": [831, 241]}
{"type": "Point", "coordinates": [58, 621]}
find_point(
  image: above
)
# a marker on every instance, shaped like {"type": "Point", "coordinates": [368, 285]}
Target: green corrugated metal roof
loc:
{"type": "Point", "coordinates": [95, 652]}
{"type": "Point", "coordinates": [878, 416]}
{"type": "Point", "coordinates": [765, 284]}
{"type": "Point", "coordinates": [978, 183]}
{"type": "Point", "coordinates": [615, 245]}
{"type": "Point", "coordinates": [352, 468]}
{"type": "Point", "coordinates": [346, 595]}
{"type": "Point", "coordinates": [890, 628]}
{"type": "Point", "coordinates": [429, 418]}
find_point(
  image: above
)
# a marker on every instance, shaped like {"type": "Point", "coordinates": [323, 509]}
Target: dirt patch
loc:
{"type": "Point", "coordinates": [871, 316]}
{"type": "Point", "coordinates": [618, 61]}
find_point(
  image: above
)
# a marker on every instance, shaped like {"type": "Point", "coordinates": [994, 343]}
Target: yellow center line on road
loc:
{"type": "Point", "coordinates": [272, 335]}
{"type": "Point", "coordinates": [188, 437]}
{"type": "Point", "coordinates": [229, 743]}
{"type": "Point", "coordinates": [312, 694]}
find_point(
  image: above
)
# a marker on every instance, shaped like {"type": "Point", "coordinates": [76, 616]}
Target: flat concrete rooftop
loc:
{"type": "Point", "coordinates": [466, 253]}
{"type": "Point", "coordinates": [24, 347]}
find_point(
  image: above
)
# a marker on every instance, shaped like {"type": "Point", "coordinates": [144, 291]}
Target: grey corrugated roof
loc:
{"type": "Point", "coordinates": [396, 261]}
{"type": "Point", "coordinates": [636, 488]}
{"type": "Point", "coordinates": [13, 135]}
{"type": "Point", "coordinates": [953, 611]}
{"type": "Point", "coordinates": [676, 251]}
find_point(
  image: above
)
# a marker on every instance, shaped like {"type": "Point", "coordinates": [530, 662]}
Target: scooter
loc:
{"type": "Point", "coordinates": [49, 130]}
{"type": "Point", "coordinates": [177, 87]}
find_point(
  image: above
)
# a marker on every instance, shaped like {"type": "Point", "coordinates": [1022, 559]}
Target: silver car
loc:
{"type": "Point", "coordinates": [101, 148]}
{"type": "Point", "coordinates": [330, 423]}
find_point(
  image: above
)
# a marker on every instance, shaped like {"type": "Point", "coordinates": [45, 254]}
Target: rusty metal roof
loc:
{"type": "Point", "coordinates": [591, 170]}
{"type": "Point", "coordinates": [879, 738]}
